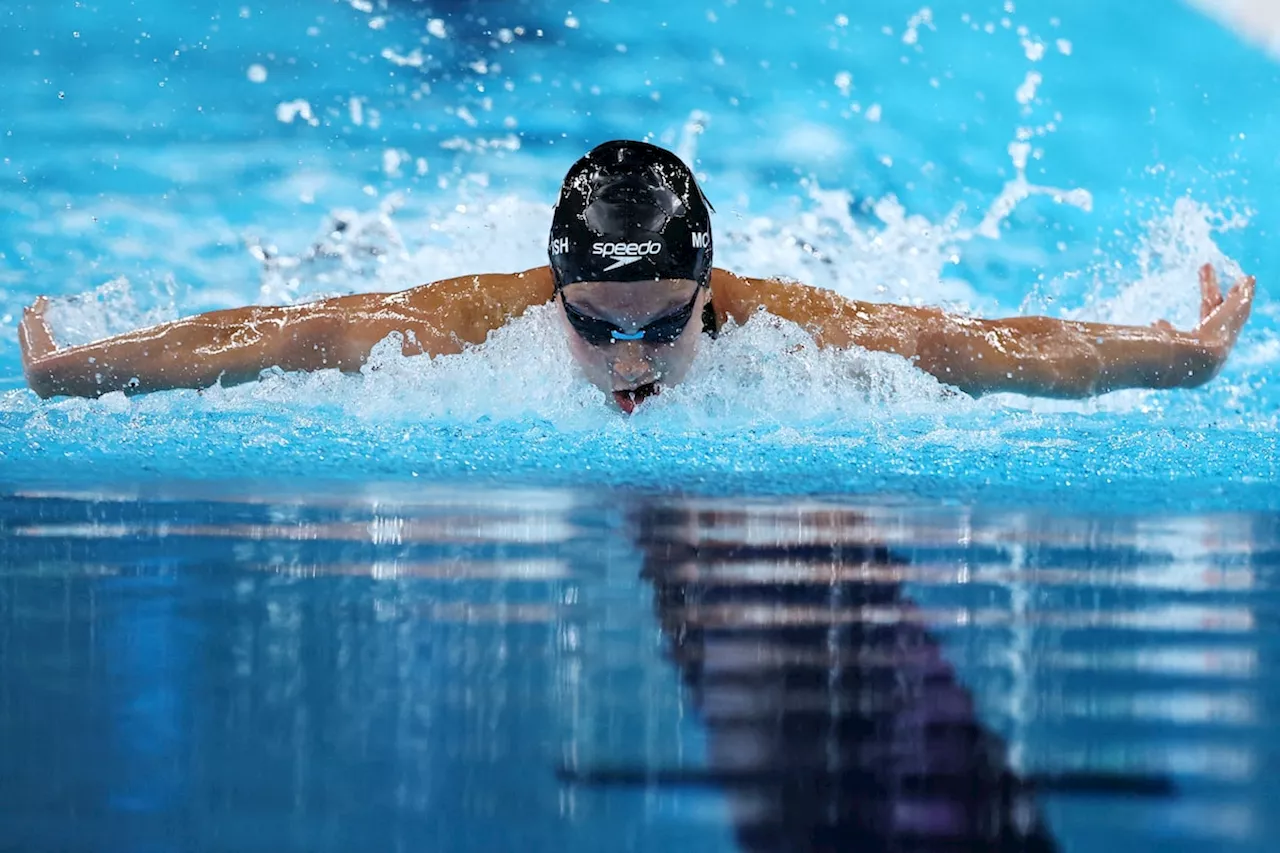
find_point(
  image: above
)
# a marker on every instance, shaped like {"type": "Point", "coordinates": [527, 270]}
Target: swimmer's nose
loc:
{"type": "Point", "coordinates": [630, 365]}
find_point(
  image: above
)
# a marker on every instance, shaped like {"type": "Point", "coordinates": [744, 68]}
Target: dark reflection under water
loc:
{"type": "Point", "coordinates": [834, 721]}
{"type": "Point", "coordinates": [484, 672]}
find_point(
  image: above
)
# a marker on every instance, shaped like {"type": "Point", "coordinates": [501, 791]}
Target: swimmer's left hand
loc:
{"type": "Point", "coordinates": [1221, 319]}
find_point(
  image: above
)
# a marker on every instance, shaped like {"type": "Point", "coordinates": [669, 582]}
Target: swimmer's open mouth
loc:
{"type": "Point", "coordinates": [629, 399]}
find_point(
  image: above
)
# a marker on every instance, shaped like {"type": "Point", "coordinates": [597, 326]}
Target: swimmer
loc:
{"type": "Point", "coordinates": [632, 279]}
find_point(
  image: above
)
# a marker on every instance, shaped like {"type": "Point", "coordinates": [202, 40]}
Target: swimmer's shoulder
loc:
{"type": "Point", "coordinates": [737, 297]}
{"type": "Point", "coordinates": [730, 294]}
{"type": "Point", "coordinates": [520, 290]}
{"type": "Point", "coordinates": [506, 294]}
{"type": "Point", "coordinates": [461, 309]}
{"type": "Point", "coordinates": [832, 319]}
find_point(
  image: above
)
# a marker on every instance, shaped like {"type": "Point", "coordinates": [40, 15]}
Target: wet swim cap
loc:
{"type": "Point", "coordinates": [630, 211]}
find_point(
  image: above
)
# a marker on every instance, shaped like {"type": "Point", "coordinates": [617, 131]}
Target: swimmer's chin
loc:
{"type": "Point", "coordinates": [629, 399]}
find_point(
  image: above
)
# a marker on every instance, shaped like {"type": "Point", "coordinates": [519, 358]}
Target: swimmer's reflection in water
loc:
{"type": "Point", "coordinates": [833, 719]}
{"type": "Point", "coordinates": [630, 275]}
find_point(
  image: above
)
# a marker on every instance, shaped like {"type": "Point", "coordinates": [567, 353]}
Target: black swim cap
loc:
{"type": "Point", "coordinates": [630, 211]}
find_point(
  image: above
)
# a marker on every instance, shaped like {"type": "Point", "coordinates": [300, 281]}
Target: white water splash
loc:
{"type": "Point", "coordinates": [289, 111]}
{"type": "Point", "coordinates": [525, 370]}
{"type": "Point", "coordinates": [109, 309]}
{"type": "Point", "coordinates": [1176, 245]}
{"type": "Point", "coordinates": [524, 374]}
{"type": "Point", "coordinates": [694, 127]}
{"type": "Point", "coordinates": [766, 373]}
{"type": "Point", "coordinates": [922, 18]}
{"type": "Point", "coordinates": [1020, 189]}
{"type": "Point", "coordinates": [739, 380]}
{"type": "Point", "coordinates": [1027, 91]}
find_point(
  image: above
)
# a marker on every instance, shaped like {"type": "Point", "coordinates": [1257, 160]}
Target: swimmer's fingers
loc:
{"type": "Point", "coordinates": [1210, 298]}
{"type": "Point", "coordinates": [1210, 292]}
{"type": "Point", "coordinates": [1217, 332]}
{"type": "Point", "coordinates": [34, 337]}
{"type": "Point", "coordinates": [1202, 352]}
{"type": "Point", "coordinates": [1237, 306]}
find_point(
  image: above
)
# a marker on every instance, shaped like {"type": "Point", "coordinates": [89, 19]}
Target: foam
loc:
{"type": "Point", "coordinates": [740, 379]}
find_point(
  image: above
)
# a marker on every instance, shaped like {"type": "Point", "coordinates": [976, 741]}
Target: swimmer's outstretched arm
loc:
{"type": "Point", "coordinates": [237, 344]}
{"type": "Point", "coordinates": [1040, 356]}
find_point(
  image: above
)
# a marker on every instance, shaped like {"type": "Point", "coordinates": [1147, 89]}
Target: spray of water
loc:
{"type": "Point", "coordinates": [766, 376]}
{"type": "Point", "coordinates": [524, 372]}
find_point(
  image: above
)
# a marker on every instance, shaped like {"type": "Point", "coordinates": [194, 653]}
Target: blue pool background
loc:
{"type": "Point", "coordinates": [138, 151]}
{"type": "Point", "coordinates": [195, 652]}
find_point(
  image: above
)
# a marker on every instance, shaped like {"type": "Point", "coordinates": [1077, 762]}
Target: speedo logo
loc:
{"type": "Point", "coordinates": [623, 254]}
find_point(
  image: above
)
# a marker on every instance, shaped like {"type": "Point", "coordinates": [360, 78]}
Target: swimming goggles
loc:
{"type": "Point", "coordinates": [660, 330]}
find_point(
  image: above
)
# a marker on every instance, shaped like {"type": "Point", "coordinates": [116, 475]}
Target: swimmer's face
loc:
{"type": "Point", "coordinates": [631, 370]}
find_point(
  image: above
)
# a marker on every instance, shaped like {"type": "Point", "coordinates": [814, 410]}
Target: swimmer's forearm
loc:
{"type": "Point", "coordinates": [230, 346]}
{"type": "Point", "coordinates": [1039, 356]}
{"type": "Point", "coordinates": [1147, 357]}
{"type": "Point", "coordinates": [1045, 357]}
{"type": "Point", "coordinates": [236, 345]}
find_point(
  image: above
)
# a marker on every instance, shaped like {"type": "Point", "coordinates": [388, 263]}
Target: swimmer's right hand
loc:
{"type": "Point", "coordinates": [34, 336]}
{"type": "Point", "coordinates": [234, 345]}
{"type": "Point", "coordinates": [35, 340]}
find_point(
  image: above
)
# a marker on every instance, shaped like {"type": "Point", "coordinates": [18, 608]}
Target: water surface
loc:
{"type": "Point", "coordinates": [393, 668]}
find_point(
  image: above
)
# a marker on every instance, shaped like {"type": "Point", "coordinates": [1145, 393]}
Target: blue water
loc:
{"type": "Point", "coordinates": [430, 606]}
{"type": "Point", "coordinates": [144, 170]}
{"type": "Point", "coordinates": [470, 669]}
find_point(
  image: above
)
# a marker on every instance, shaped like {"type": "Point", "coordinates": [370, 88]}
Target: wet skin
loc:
{"type": "Point", "coordinates": [631, 371]}
{"type": "Point", "coordinates": [1039, 356]}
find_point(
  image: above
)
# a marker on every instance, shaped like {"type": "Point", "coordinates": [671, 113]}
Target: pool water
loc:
{"type": "Point", "coordinates": [247, 668]}
{"type": "Point", "coordinates": [805, 600]}
{"type": "Point", "coordinates": [158, 162]}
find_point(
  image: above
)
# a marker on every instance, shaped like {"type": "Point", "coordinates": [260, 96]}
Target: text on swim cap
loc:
{"type": "Point", "coordinates": [560, 246]}
{"type": "Point", "coordinates": [653, 247]}
{"type": "Point", "coordinates": [700, 239]}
